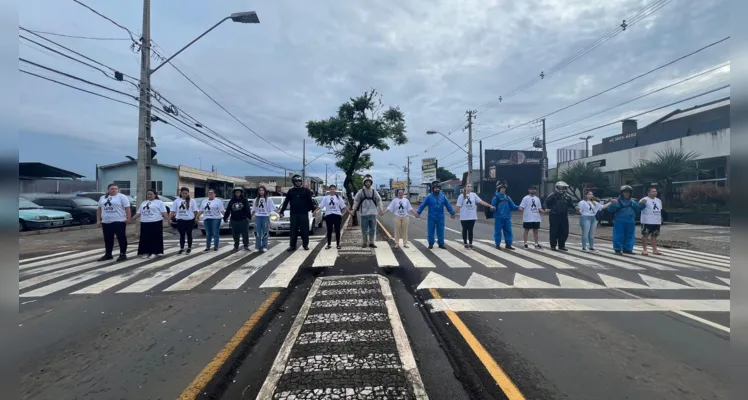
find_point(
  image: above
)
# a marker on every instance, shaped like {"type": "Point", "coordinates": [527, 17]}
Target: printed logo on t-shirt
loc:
{"type": "Point", "coordinates": [332, 202]}
{"type": "Point", "coordinates": [108, 202]}
{"type": "Point", "coordinates": [590, 207]}
{"type": "Point", "coordinates": [183, 205]}
{"type": "Point", "coordinates": [654, 206]}
{"type": "Point", "coordinates": [147, 212]}
{"type": "Point", "coordinates": [533, 206]}
{"type": "Point", "coordinates": [261, 204]}
{"type": "Point", "coordinates": [237, 206]}
{"type": "Point", "coordinates": [401, 207]}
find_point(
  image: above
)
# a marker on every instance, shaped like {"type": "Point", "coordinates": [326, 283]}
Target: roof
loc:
{"type": "Point", "coordinates": [452, 182]}
{"type": "Point", "coordinates": [698, 109]}
{"type": "Point", "coordinates": [130, 162]}
{"type": "Point", "coordinates": [37, 170]}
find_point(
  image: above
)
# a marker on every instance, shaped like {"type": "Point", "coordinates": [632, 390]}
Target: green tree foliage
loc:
{"type": "Point", "coordinates": [360, 125]}
{"type": "Point", "coordinates": [580, 175]}
{"type": "Point", "coordinates": [443, 174]}
{"type": "Point", "coordinates": [666, 165]}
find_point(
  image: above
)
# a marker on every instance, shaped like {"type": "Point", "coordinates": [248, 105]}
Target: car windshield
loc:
{"type": "Point", "coordinates": [24, 204]}
{"type": "Point", "coordinates": [85, 201]}
{"type": "Point", "coordinates": [278, 201]}
{"type": "Point", "coordinates": [167, 198]}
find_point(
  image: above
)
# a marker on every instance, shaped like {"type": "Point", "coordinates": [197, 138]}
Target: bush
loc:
{"type": "Point", "coordinates": [705, 195]}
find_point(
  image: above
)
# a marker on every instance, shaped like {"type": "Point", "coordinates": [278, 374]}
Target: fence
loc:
{"type": "Point", "coordinates": [56, 186]}
{"type": "Point", "coordinates": [571, 153]}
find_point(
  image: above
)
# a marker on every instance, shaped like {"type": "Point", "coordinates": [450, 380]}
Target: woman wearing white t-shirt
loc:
{"type": "Point", "coordinates": [152, 213]}
{"type": "Point", "coordinates": [112, 216]}
{"type": "Point", "coordinates": [185, 209]}
{"type": "Point", "coordinates": [212, 210]}
{"type": "Point", "coordinates": [401, 207]}
{"type": "Point", "coordinates": [262, 208]}
{"type": "Point", "coordinates": [334, 206]}
{"type": "Point", "coordinates": [588, 209]}
{"type": "Point", "coordinates": [467, 207]}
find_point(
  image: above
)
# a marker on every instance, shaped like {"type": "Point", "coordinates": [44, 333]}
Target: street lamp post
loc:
{"type": "Point", "coordinates": [586, 145]}
{"type": "Point", "coordinates": [145, 141]}
{"type": "Point", "coordinates": [469, 152]}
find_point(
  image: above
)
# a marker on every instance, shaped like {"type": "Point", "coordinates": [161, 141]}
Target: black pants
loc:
{"type": "Point", "coordinates": [151, 238]}
{"type": "Point", "coordinates": [240, 229]}
{"type": "Point", "coordinates": [559, 229]}
{"type": "Point", "coordinates": [467, 231]}
{"type": "Point", "coordinates": [299, 222]}
{"type": "Point", "coordinates": [185, 226]}
{"type": "Point", "coordinates": [111, 230]}
{"type": "Point", "coordinates": [333, 223]}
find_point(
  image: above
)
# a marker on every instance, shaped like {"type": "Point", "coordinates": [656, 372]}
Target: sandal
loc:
{"type": "Point", "coordinates": [644, 253]}
{"type": "Point", "coordinates": [657, 253]}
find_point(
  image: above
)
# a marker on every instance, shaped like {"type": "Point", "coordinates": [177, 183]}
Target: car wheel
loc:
{"type": "Point", "coordinates": [85, 220]}
{"type": "Point", "coordinates": [21, 226]}
{"type": "Point", "coordinates": [203, 232]}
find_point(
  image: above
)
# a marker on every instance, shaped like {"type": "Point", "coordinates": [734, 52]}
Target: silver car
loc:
{"type": "Point", "coordinates": [225, 226]}
{"type": "Point", "coordinates": [283, 225]}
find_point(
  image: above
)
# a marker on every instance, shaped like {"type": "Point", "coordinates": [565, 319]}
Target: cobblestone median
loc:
{"type": "Point", "coordinates": [347, 342]}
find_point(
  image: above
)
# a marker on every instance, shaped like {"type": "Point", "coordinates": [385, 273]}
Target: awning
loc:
{"type": "Point", "coordinates": [37, 170]}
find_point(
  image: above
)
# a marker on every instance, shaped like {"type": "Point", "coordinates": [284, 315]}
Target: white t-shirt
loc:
{"type": "Point", "coordinates": [468, 206]}
{"type": "Point", "coordinates": [183, 210]}
{"type": "Point", "coordinates": [400, 207]}
{"type": "Point", "coordinates": [152, 211]}
{"type": "Point", "coordinates": [652, 212]}
{"type": "Point", "coordinates": [333, 204]}
{"type": "Point", "coordinates": [113, 208]}
{"type": "Point", "coordinates": [212, 208]}
{"type": "Point", "coordinates": [263, 206]}
{"type": "Point", "coordinates": [589, 208]}
{"type": "Point", "coordinates": [530, 206]}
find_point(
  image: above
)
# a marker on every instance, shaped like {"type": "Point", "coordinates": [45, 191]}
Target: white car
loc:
{"type": "Point", "coordinates": [283, 225]}
{"type": "Point", "coordinates": [225, 226]}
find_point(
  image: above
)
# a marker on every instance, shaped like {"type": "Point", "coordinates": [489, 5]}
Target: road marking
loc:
{"type": "Point", "coordinates": [27, 260]}
{"type": "Point", "coordinates": [526, 282]}
{"type": "Point", "coordinates": [699, 284]}
{"type": "Point", "coordinates": [546, 305]}
{"type": "Point", "coordinates": [616, 260]}
{"type": "Point", "coordinates": [446, 256]}
{"type": "Point", "coordinates": [64, 258]}
{"type": "Point", "coordinates": [570, 258]}
{"type": "Point", "coordinates": [202, 274]}
{"type": "Point", "coordinates": [725, 280]}
{"type": "Point", "coordinates": [51, 265]}
{"type": "Point", "coordinates": [56, 274]}
{"type": "Point", "coordinates": [384, 255]}
{"type": "Point", "coordinates": [198, 384]}
{"type": "Point", "coordinates": [476, 256]}
{"type": "Point", "coordinates": [453, 230]}
{"type": "Point", "coordinates": [505, 255]}
{"type": "Point", "coordinates": [417, 258]}
{"type": "Point", "coordinates": [437, 281]}
{"type": "Point", "coordinates": [109, 283]}
{"type": "Point", "coordinates": [284, 273]}
{"type": "Point", "coordinates": [657, 283]}
{"type": "Point", "coordinates": [702, 254]}
{"type": "Point", "coordinates": [478, 281]}
{"type": "Point", "coordinates": [570, 282]}
{"type": "Point", "coordinates": [544, 259]}
{"type": "Point", "coordinates": [236, 279]}
{"type": "Point", "coordinates": [386, 232]}
{"type": "Point", "coordinates": [162, 276]}
{"type": "Point", "coordinates": [497, 373]}
{"type": "Point", "coordinates": [325, 258]}
{"type": "Point", "coordinates": [613, 282]}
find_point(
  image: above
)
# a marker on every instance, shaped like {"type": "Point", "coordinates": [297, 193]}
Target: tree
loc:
{"type": "Point", "coordinates": [666, 165]}
{"type": "Point", "coordinates": [443, 174]}
{"type": "Point", "coordinates": [361, 124]}
{"type": "Point", "coordinates": [580, 175]}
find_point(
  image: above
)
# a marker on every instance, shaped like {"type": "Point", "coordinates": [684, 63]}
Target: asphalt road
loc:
{"type": "Point", "coordinates": [602, 354]}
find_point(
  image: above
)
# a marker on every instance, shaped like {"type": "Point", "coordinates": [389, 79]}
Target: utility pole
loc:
{"type": "Point", "coordinates": [326, 182]}
{"type": "Point", "coordinates": [544, 166]}
{"type": "Point", "coordinates": [407, 182]}
{"type": "Point", "coordinates": [471, 116]}
{"type": "Point", "coordinates": [144, 110]}
{"type": "Point", "coordinates": [586, 145]}
{"type": "Point", "coordinates": [480, 167]}
{"type": "Point", "coordinates": [303, 163]}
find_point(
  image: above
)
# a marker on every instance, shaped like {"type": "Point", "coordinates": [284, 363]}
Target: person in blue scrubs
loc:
{"type": "Point", "coordinates": [503, 207]}
{"type": "Point", "coordinates": [624, 210]}
{"type": "Point", "coordinates": [436, 202]}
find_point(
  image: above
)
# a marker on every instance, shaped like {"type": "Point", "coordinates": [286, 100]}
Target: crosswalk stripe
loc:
{"type": "Point", "coordinates": [159, 277]}
{"type": "Point", "coordinates": [667, 258]}
{"type": "Point", "coordinates": [570, 282]}
{"type": "Point", "coordinates": [699, 284]}
{"type": "Point", "coordinates": [106, 284]}
{"type": "Point", "coordinates": [547, 305]}
{"type": "Point", "coordinates": [526, 282]}
{"type": "Point", "coordinates": [284, 273]}
{"type": "Point", "coordinates": [567, 257]}
{"type": "Point", "coordinates": [618, 283]}
{"type": "Point", "coordinates": [203, 274]}
{"type": "Point", "coordinates": [446, 256]}
{"type": "Point", "coordinates": [437, 281]}
{"type": "Point", "coordinates": [236, 279]}
{"type": "Point", "coordinates": [417, 258]}
{"type": "Point", "coordinates": [58, 273]}
{"type": "Point", "coordinates": [44, 257]}
{"type": "Point", "coordinates": [93, 274]}
{"type": "Point", "coordinates": [326, 258]}
{"type": "Point", "coordinates": [478, 281]}
{"type": "Point", "coordinates": [610, 259]}
{"type": "Point", "coordinates": [715, 259]}
{"type": "Point", "coordinates": [52, 265]}
{"type": "Point", "coordinates": [487, 262]}
{"type": "Point", "coordinates": [657, 283]}
{"type": "Point", "coordinates": [63, 258]}
{"type": "Point", "coordinates": [385, 256]}
{"type": "Point", "coordinates": [505, 255]}
{"type": "Point", "coordinates": [701, 254]}
{"type": "Point", "coordinates": [692, 260]}
{"type": "Point", "coordinates": [725, 280]}
{"type": "Point", "coordinates": [545, 259]}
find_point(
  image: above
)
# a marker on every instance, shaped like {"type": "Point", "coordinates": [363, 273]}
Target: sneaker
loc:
{"type": "Point", "coordinates": [291, 249]}
{"type": "Point", "coordinates": [181, 251]}
{"type": "Point", "coordinates": [441, 246]}
{"type": "Point", "coordinates": [306, 248]}
{"type": "Point", "coordinates": [509, 247]}
{"type": "Point", "coordinates": [235, 249]}
{"type": "Point", "coordinates": [215, 249]}
{"type": "Point", "coordinates": [553, 248]}
{"type": "Point", "coordinates": [563, 249]}
{"type": "Point", "coordinates": [122, 257]}
{"type": "Point", "coordinates": [189, 250]}
{"type": "Point", "coordinates": [328, 247]}
{"type": "Point", "coordinates": [373, 246]}
{"type": "Point", "coordinates": [498, 247]}
{"type": "Point", "coordinates": [592, 249]}
{"type": "Point", "coordinates": [467, 246]}
{"type": "Point", "coordinates": [364, 246]}
{"type": "Point", "coordinates": [619, 252]}
{"type": "Point", "coordinates": [526, 246]}
{"type": "Point", "coordinates": [628, 252]}
{"type": "Point", "coordinates": [471, 245]}
{"type": "Point", "coordinates": [538, 246]}
{"type": "Point", "coordinates": [106, 257]}
{"type": "Point", "coordinates": [431, 247]}
{"type": "Point", "coordinates": [338, 246]}
{"type": "Point", "coordinates": [584, 249]}
{"type": "Point", "coordinates": [207, 249]}
{"type": "Point", "coordinates": [144, 256]}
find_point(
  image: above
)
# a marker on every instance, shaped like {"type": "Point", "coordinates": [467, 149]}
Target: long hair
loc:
{"type": "Point", "coordinates": [264, 190]}
{"type": "Point", "coordinates": [595, 200]}
{"type": "Point", "coordinates": [155, 195]}
{"type": "Point", "coordinates": [188, 199]}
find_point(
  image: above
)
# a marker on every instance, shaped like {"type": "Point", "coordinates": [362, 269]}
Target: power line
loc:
{"type": "Point", "coordinates": [76, 37]}
{"type": "Point", "coordinates": [75, 77]}
{"type": "Point", "coordinates": [76, 88]}
{"type": "Point", "coordinates": [129, 32]}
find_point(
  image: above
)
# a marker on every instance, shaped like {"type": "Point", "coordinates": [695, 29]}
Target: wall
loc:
{"type": "Point", "coordinates": [56, 186]}
{"type": "Point", "coordinates": [128, 172]}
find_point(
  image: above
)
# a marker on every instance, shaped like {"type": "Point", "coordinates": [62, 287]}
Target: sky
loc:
{"type": "Point", "coordinates": [434, 59]}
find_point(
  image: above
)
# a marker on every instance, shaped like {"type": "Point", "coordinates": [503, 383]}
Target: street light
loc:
{"type": "Point", "coordinates": [586, 145]}
{"type": "Point", "coordinates": [469, 152]}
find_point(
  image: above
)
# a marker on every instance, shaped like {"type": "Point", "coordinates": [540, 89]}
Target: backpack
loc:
{"type": "Point", "coordinates": [489, 212]}
{"type": "Point", "coordinates": [373, 198]}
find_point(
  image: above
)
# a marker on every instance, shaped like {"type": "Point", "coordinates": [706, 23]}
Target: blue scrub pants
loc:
{"type": "Point", "coordinates": [502, 225]}
{"type": "Point", "coordinates": [624, 235]}
{"type": "Point", "coordinates": [436, 224]}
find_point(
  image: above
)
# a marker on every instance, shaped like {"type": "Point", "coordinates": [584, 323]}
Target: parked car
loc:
{"type": "Point", "coordinates": [608, 216]}
{"type": "Point", "coordinates": [283, 225]}
{"type": "Point", "coordinates": [96, 196]}
{"type": "Point", "coordinates": [320, 217]}
{"type": "Point", "coordinates": [34, 216]}
{"type": "Point", "coordinates": [168, 200]}
{"type": "Point", "coordinates": [82, 209]}
{"type": "Point", "coordinates": [225, 226]}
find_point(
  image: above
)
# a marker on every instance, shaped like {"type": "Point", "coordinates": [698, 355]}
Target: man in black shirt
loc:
{"type": "Point", "coordinates": [558, 204]}
{"type": "Point", "coordinates": [240, 212]}
{"type": "Point", "coordinates": [300, 200]}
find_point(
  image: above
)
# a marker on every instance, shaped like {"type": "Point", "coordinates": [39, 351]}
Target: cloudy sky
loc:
{"type": "Point", "coordinates": [433, 58]}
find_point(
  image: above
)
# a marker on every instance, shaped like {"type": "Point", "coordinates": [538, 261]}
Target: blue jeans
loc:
{"type": "Point", "coordinates": [624, 235]}
{"type": "Point", "coordinates": [502, 225]}
{"type": "Point", "coordinates": [368, 227]}
{"type": "Point", "coordinates": [589, 225]}
{"type": "Point", "coordinates": [435, 224]}
{"type": "Point", "coordinates": [262, 231]}
{"type": "Point", "coordinates": [212, 231]}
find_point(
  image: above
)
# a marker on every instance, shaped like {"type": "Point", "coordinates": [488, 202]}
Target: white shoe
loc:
{"type": "Point", "coordinates": [144, 256]}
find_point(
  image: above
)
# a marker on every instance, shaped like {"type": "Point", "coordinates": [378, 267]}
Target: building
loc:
{"type": "Point", "coordinates": [704, 129]}
{"type": "Point", "coordinates": [452, 188]}
{"type": "Point", "coordinates": [279, 184]}
{"type": "Point", "coordinates": [36, 177]}
{"type": "Point", "coordinates": [166, 179]}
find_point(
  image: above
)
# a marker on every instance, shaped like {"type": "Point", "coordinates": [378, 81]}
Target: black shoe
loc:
{"type": "Point", "coordinates": [188, 251]}
{"type": "Point", "coordinates": [106, 257]}
{"type": "Point", "coordinates": [235, 249]}
{"type": "Point", "coordinates": [207, 249]}
{"type": "Point", "coordinates": [373, 246]}
{"type": "Point", "coordinates": [563, 249]}
{"type": "Point", "coordinates": [443, 247]}
{"type": "Point", "coordinates": [619, 252]}
{"type": "Point", "coordinates": [538, 246]}
{"type": "Point", "coordinates": [291, 249]}
{"type": "Point", "coordinates": [628, 252]}
{"type": "Point", "coordinates": [498, 247]}
{"type": "Point", "coordinates": [509, 247]}
{"type": "Point", "coordinates": [364, 246]}
{"type": "Point", "coordinates": [526, 246]}
{"type": "Point", "coordinates": [306, 248]}
{"type": "Point", "coordinates": [246, 248]}
{"type": "Point", "coordinates": [592, 249]}
{"type": "Point", "coordinates": [215, 249]}
{"type": "Point", "coordinates": [553, 248]}
{"type": "Point", "coordinates": [431, 247]}
{"type": "Point", "coordinates": [467, 246]}
{"type": "Point", "coordinates": [122, 257]}
{"type": "Point", "coordinates": [181, 251]}
{"type": "Point", "coordinates": [338, 246]}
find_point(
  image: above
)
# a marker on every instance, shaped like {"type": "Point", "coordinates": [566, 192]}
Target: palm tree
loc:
{"type": "Point", "coordinates": [579, 175]}
{"type": "Point", "coordinates": [666, 165]}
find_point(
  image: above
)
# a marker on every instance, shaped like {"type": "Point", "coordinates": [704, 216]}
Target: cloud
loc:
{"type": "Point", "coordinates": [433, 59]}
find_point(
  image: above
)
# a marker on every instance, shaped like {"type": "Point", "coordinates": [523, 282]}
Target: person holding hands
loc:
{"type": "Point", "coordinates": [467, 207]}
{"type": "Point", "coordinates": [436, 202]}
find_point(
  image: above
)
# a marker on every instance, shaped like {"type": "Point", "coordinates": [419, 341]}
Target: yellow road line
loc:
{"type": "Point", "coordinates": [502, 379]}
{"type": "Point", "coordinates": [210, 370]}
{"type": "Point", "coordinates": [384, 229]}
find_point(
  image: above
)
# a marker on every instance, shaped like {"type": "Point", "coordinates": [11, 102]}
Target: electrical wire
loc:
{"type": "Point", "coordinates": [129, 32]}
{"type": "Point", "coordinates": [76, 37]}
{"type": "Point", "coordinates": [76, 88]}
{"type": "Point", "coordinates": [76, 78]}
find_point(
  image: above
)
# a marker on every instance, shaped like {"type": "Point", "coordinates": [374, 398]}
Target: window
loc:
{"type": "Point", "coordinates": [124, 187]}
{"type": "Point", "coordinates": [158, 186]}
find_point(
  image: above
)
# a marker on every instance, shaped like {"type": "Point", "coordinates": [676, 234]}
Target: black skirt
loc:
{"type": "Point", "coordinates": [151, 238]}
